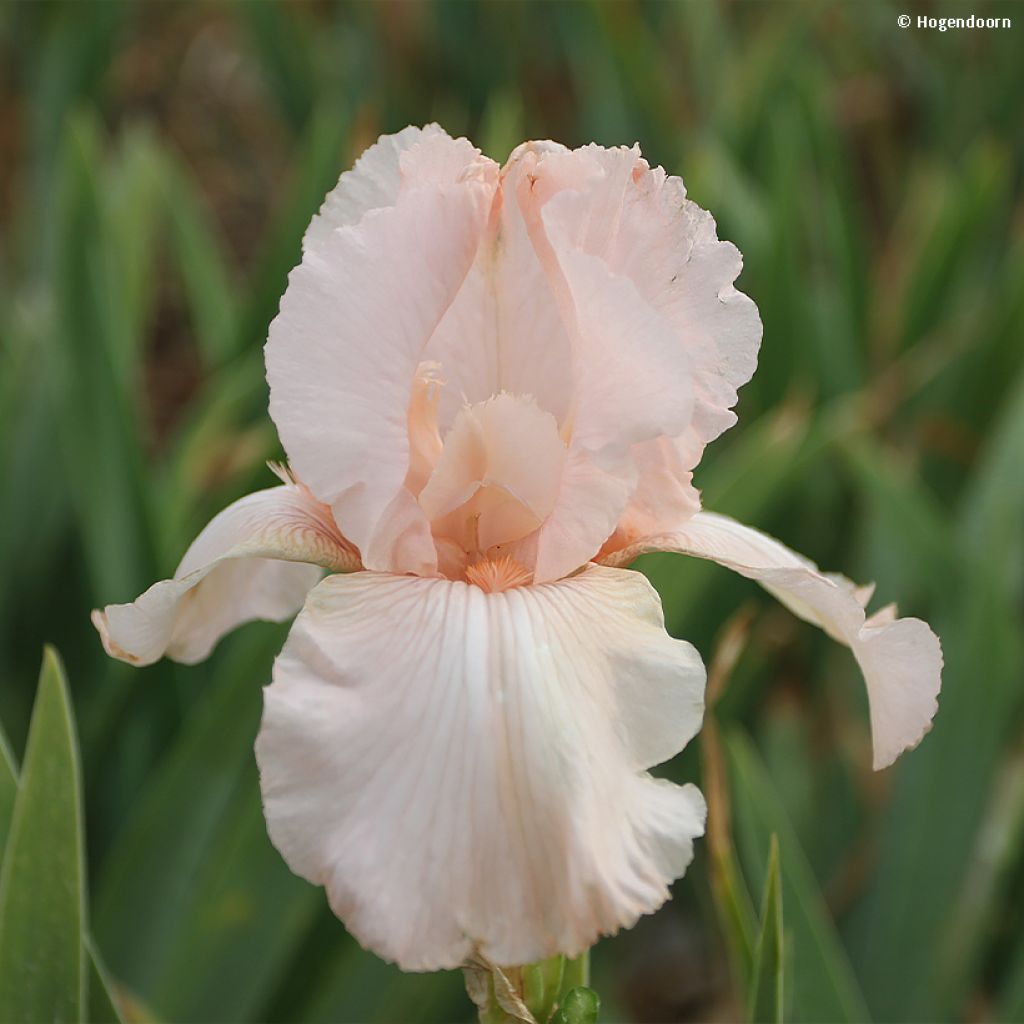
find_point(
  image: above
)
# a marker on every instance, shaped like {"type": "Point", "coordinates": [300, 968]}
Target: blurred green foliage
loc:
{"type": "Point", "coordinates": [158, 164]}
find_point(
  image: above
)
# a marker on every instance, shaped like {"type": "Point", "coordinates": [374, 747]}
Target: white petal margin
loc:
{"type": "Point", "coordinates": [257, 559]}
{"type": "Point", "coordinates": [465, 771]}
{"type": "Point", "coordinates": [901, 658]}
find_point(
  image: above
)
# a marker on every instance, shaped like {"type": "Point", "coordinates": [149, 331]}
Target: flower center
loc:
{"type": "Point", "coordinates": [489, 484]}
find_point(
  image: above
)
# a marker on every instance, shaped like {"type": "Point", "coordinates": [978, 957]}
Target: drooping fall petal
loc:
{"type": "Point", "coordinates": [257, 559]}
{"type": "Point", "coordinates": [901, 659]}
{"type": "Point", "coordinates": [466, 770]}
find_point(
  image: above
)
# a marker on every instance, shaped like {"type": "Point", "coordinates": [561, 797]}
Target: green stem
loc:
{"type": "Point", "coordinates": [577, 972]}
{"type": "Point", "coordinates": [529, 993]}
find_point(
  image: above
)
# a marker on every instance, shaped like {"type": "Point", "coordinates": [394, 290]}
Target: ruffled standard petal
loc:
{"type": "Point", "coordinates": [504, 331]}
{"type": "Point", "coordinates": [466, 770]}
{"type": "Point", "coordinates": [257, 559]}
{"type": "Point", "coordinates": [632, 379]}
{"type": "Point", "coordinates": [610, 206]}
{"type": "Point", "coordinates": [640, 223]}
{"type": "Point", "coordinates": [632, 387]}
{"type": "Point", "coordinates": [343, 352]}
{"type": "Point", "coordinates": [631, 376]}
{"type": "Point", "coordinates": [377, 177]}
{"type": "Point", "coordinates": [901, 659]}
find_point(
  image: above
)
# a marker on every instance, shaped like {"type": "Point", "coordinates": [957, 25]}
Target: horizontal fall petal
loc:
{"type": "Point", "coordinates": [901, 659]}
{"type": "Point", "coordinates": [257, 559]}
{"type": "Point", "coordinates": [465, 771]}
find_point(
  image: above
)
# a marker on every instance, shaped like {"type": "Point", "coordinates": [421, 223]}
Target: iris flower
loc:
{"type": "Point", "coordinates": [493, 385]}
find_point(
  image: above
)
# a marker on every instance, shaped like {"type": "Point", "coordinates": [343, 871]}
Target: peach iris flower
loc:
{"type": "Point", "coordinates": [492, 385]}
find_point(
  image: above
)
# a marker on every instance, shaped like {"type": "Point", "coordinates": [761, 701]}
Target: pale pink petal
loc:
{"type": "Point", "coordinates": [465, 771]}
{"type": "Point", "coordinates": [359, 310]}
{"type": "Point", "coordinates": [592, 497]}
{"type": "Point", "coordinates": [901, 658]}
{"type": "Point", "coordinates": [608, 204]}
{"type": "Point", "coordinates": [631, 387]}
{"type": "Point", "coordinates": [425, 444]}
{"type": "Point", "coordinates": [639, 221]}
{"type": "Point", "coordinates": [902, 666]}
{"type": "Point", "coordinates": [464, 347]}
{"type": "Point", "coordinates": [498, 475]}
{"type": "Point", "coordinates": [504, 331]}
{"type": "Point", "coordinates": [257, 559]}
{"type": "Point", "coordinates": [402, 538]}
{"type": "Point", "coordinates": [631, 378]}
{"type": "Point", "coordinates": [377, 177]}
{"type": "Point", "coordinates": [664, 494]}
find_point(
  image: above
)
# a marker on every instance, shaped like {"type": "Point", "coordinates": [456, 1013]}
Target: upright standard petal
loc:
{"type": "Point", "coordinates": [465, 770]}
{"type": "Point", "coordinates": [504, 331]}
{"type": "Point", "coordinates": [632, 386]}
{"type": "Point", "coordinates": [407, 158]}
{"type": "Point", "coordinates": [609, 205]}
{"type": "Point", "coordinates": [640, 223]}
{"type": "Point", "coordinates": [371, 184]}
{"type": "Point", "coordinates": [257, 559]}
{"type": "Point", "coordinates": [343, 353]}
{"type": "Point", "coordinates": [901, 659]}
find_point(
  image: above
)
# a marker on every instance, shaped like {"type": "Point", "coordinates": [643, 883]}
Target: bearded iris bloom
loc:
{"type": "Point", "coordinates": [493, 385]}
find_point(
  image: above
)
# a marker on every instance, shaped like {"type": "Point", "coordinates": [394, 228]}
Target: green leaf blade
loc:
{"type": "Point", "coordinates": [42, 905]}
{"type": "Point", "coordinates": [102, 1005]}
{"type": "Point", "coordinates": [8, 790]}
{"type": "Point", "coordinates": [823, 983]}
{"type": "Point", "coordinates": [767, 988]}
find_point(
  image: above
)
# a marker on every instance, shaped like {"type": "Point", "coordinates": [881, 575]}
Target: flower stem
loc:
{"type": "Point", "coordinates": [524, 995]}
{"type": "Point", "coordinates": [577, 972]}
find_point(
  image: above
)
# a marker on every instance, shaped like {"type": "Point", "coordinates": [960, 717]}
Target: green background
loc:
{"type": "Point", "coordinates": [158, 164]}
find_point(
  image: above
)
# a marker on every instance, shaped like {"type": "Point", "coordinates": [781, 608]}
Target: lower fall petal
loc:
{"type": "Point", "coordinates": [257, 559]}
{"type": "Point", "coordinates": [465, 770]}
{"type": "Point", "coordinates": [901, 659]}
